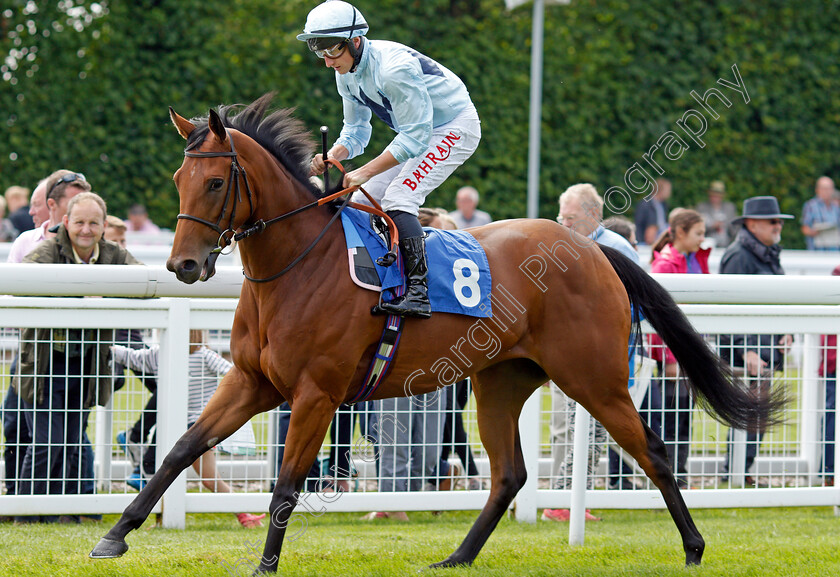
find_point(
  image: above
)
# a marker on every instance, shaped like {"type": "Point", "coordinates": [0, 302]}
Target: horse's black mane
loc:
{"type": "Point", "coordinates": [280, 133]}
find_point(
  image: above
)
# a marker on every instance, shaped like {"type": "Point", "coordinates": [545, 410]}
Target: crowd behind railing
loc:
{"type": "Point", "coordinates": [53, 377]}
{"type": "Point", "coordinates": [363, 438]}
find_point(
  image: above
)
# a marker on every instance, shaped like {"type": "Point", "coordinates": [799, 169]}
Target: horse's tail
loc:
{"type": "Point", "coordinates": [710, 378]}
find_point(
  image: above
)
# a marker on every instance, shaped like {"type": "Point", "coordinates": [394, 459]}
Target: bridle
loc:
{"type": "Point", "coordinates": [233, 185]}
{"type": "Point", "coordinates": [229, 234]}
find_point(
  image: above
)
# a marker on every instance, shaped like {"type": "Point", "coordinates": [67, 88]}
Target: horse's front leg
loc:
{"type": "Point", "coordinates": [311, 416]}
{"type": "Point", "coordinates": [236, 400]}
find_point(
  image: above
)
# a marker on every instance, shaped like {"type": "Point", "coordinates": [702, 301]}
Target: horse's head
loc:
{"type": "Point", "coordinates": [208, 184]}
{"type": "Point", "coordinates": [217, 198]}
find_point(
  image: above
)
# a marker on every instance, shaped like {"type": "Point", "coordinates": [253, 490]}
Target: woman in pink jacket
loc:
{"type": "Point", "coordinates": [677, 250]}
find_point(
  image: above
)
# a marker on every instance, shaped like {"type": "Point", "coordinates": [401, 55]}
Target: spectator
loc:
{"type": "Point", "coordinates": [467, 213]}
{"type": "Point", "coordinates": [755, 251]}
{"type": "Point", "coordinates": [581, 209]}
{"type": "Point", "coordinates": [17, 204]}
{"type": "Point", "coordinates": [623, 227]}
{"type": "Point", "coordinates": [8, 232]}
{"type": "Point", "coordinates": [62, 371]}
{"type": "Point", "coordinates": [339, 469]}
{"type": "Point", "coordinates": [652, 213]}
{"type": "Point", "coordinates": [438, 216]}
{"type": "Point", "coordinates": [58, 188]}
{"type": "Point", "coordinates": [115, 230]}
{"type": "Point", "coordinates": [284, 414]}
{"type": "Point", "coordinates": [410, 430]}
{"type": "Point", "coordinates": [429, 217]}
{"type": "Point", "coordinates": [38, 209]}
{"type": "Point", "coordinates": [338, 464]}
{"type": "Point", "coordinates": [411, 435]}
{"type": "Point", "coordinates": [138, 220]}
{"type": "Point", "coordinates": [821, 217]}
{"type": "Point", "coordinates": [454, 439]}
{"type": "Point", "coordinates": [828, 369]}
{"type": "Point", "coordinates": [718, 214]}
{"type": "Point", "coordinates": [136, 442]}
{"type": "Point", "coordinates": [677, 250]}
{"type": "Point", "coordinates": [15, 428]}
{"type": "Point", "coordinates": [205, 366]}
{"type": "Point", "coordinates": [454, 436]}
{"type": "Point", "coordinates": [447, 222]}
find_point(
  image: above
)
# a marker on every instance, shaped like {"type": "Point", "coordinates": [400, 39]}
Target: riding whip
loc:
{"type": "Point", "coordinates": [324, 130]}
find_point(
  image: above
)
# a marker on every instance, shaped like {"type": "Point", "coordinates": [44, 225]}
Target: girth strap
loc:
{"type": "Point", "coordinates": [382, 359]}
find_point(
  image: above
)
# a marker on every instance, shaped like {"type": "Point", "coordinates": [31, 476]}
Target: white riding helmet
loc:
{"type": "Point", "coordinates": [334, 19]}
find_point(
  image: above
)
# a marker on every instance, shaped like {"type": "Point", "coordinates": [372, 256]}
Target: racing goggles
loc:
{"type": "Point", "coordinates": [333, 51]}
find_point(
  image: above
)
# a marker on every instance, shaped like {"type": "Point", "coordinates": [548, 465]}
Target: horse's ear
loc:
{"type": "Point", "coordinates": [216, 125]}
{"type": "Point", "coordinates": [184, 126]}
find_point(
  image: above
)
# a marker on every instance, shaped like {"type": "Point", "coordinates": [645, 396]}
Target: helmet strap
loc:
{"type": "Point", "coordinates": [356, 53]}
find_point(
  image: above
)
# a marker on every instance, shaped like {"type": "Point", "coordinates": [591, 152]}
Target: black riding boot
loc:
{"type": "Point", "coordinates": [415, 301]}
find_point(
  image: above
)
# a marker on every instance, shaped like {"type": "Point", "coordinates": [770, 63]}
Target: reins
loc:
{"type": "Point", "coordinates": [258, 227]}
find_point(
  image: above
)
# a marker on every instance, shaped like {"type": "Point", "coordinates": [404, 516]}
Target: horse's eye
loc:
{"type": "Point", "coordinates": [216, 184]}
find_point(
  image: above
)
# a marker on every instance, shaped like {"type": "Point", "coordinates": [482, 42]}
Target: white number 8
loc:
{"type": "Point", "coordinates": [469, 282]}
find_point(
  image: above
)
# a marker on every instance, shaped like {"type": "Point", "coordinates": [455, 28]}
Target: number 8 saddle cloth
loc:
{"type": "Point", "coordinates": [459, 275]}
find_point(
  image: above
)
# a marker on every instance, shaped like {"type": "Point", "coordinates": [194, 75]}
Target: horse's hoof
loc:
{"type": "Point", "coordinates": [692, 558]}
{"type": "Point", "coordinates": [109, 549]}
{"type": "Point", "coordinates": [448, 563]}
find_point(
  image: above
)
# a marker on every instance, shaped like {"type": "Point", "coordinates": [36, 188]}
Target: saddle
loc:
{"type": "Point", "coordinates": [459, 274]}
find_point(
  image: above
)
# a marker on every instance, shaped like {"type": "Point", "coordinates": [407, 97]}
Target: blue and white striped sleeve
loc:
{"type": "Point", "coordinates": [138, 360]}
{"type": "Point", "coordinates": [215, 363]}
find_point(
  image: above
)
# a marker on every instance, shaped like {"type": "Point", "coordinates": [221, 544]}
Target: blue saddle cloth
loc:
{"type": "Point", "coordinates": [459, 275]}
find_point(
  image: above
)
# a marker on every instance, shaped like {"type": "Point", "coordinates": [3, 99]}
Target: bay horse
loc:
{"type": "Point", "coordinates": [307, 336]}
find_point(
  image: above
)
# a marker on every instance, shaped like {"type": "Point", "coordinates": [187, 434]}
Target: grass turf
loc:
{"type": "Point", "coordinates": [740, 542]}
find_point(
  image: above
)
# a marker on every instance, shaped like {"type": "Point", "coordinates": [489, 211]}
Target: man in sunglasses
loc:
{"type": "Point", "coordinates": [755, 250]}
{"type": "Point", "coordinates": [57, 190]}
{"type": "Point", "coordinates": [427, 106]}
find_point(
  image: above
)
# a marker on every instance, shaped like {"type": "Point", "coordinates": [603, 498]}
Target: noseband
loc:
{"type": "Point", "coordinates": [236, 170]}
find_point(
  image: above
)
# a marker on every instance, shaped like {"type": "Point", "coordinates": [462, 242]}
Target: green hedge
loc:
{"type": "Point", "coordinates": [617, 76]}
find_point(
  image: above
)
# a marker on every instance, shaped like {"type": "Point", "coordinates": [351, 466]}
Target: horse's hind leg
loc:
{"type": "Point", "coordinates": [619, 416]}
{"type": "Point", "coordinates": [500, 392]}
{"type": "Point", "coordinates": [235, 401]}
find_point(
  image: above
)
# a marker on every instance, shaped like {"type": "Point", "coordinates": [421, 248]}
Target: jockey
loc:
{"type": "Point", "coordinates": [427, 106]}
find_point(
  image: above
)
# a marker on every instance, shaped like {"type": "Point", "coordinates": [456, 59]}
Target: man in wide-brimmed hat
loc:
{"type": "Point", "coordinates": [755, 250]}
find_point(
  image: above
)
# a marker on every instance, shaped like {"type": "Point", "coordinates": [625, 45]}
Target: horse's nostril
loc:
{"type": "Point", "coordinates": [189, 265]}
